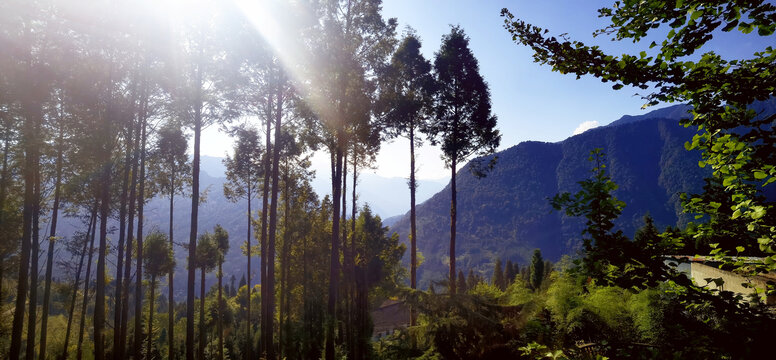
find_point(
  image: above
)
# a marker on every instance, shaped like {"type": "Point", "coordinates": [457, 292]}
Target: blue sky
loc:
{"type": "Point", "coordinates": [531, 101]}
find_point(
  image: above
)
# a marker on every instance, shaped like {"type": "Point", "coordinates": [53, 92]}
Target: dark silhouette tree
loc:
{"type": "Point", "coordinates": [498, 279]}
{"type": "Point", "coordinates": [537, 270]}
{"type": "Point", "coordinates": [464, 125]}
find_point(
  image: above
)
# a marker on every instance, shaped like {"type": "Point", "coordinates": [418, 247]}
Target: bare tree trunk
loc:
{"type": "Point", "coordinates": [138, 343]}
{"type": "Point", "coordinates": [170, 292]}
{"type": "Point", "coordinates": [151, 317]}
{"type": "Point", "coordinates": [249, 327]}
{"type": "Point", "coordinates": [453, 205]}
{"type": "Point", "coordinates": [71, 313]}
{"type": "Point", "coordinates": [85, 300]}
{"type": "Point", "coordinates": [194, 218]}
{"type": "Point", "coordinates": [263, 240]}
{"type": "Point", "coordinates": [202, 335]}
{"type": "Point", "coordinates": [357, 348]}
{"type": "Point", "coordinates": [50, 252]}
{"type": "Point", "coordinates": [35, 254]}
{"type": "Point", "coordinates": [413, 228]}
{"type": "Point", "coordinates": [334, 259]}
{"type": "Point", "coordinates": [121, 346]}
{"type": "Point", "coordinates": [273, 222]}
{"type": "Point", "coordinates": [220, 315]}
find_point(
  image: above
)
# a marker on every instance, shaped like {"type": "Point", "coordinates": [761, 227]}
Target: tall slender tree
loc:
{"type": "Point", "coordinates": [243, 172]}
{"type": "Point", "coordinates": [464, 125]}
{"type": "Point", "coordinates": [170, 165]}
{"type": "Point", "coordinates": [406, 100]}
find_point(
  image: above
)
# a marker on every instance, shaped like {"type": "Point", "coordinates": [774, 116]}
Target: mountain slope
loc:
{"type": "Point", "coordinates": [507, 214]}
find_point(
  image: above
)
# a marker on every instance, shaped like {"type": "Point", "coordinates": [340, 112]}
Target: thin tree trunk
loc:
{"type": "Point", "coordinates": [357, 346]}
{"type": "Point", "coordinates": [249, 327]}
{"type": "Point", "coordinates": [347, 337]}
{"type": "Point", "coordinates": [35, 254]}
{"type": "Point", "coordinates": [282, 334]}
{"type": "Point", "coordinates": [220, 316]}
{"type": "Point", "coordinates": [121, 346]}
{"type": "Point", "coordinates": [24, 256]}
{"type": "Point", "coordinates": [194, 218]}
{"type": "Point", "coordinates": [151, 317]}
{"type": "Point", "coordinates": [413, 229]}
{"type": "Point", "coordinates": [453, 204]}
{"type": "Point", "coordinates": [334, 259]}
{"type": "Point", "coordinates": [273, 223]}
{"type": "Point", "coordinates": [263, 240]}
{"type": "Point", "coordinates": [71, 313]}
{"type": "Point", "coordinates": [202, 315]}
{"type": "Point", "coordinates": [119, 297]}
{"type": "Point", "coordinates": [99, 306]}
{"type": "Point", "coordinates": [138, 343]}
{"type": "Point", "coordinates": [170, 292]}
{"type": "Point", "coordinates": [85, 300]}
{"type": "Point", "coordinates": [50, 253]}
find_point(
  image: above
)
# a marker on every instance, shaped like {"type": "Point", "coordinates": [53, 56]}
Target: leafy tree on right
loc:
{"type": "Point", "coordinates": [735, 140]}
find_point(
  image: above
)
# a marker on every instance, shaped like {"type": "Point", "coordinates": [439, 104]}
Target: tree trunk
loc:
{"type": "Point", "coordinates": [30, 161]}
{"type": "Point", "coordinates": [284, 267]}
{"type": "Point", "coordinates": [170, 292]}
{"type": "Point", "coordinates": [202, 316]}
{"type": "Point", "coordinates": [50, 252]}
{"type": "Point", "coordinates": [121, 346]}
{"type": "Point", "coordinates": [453, 215]}
{"type": "Point", "coordinates": [220, 316]}
{"type": "Point", "coordinates": [334, 259]}
{"type": "Point", "coordinates": [357, 346]}
{"type": "Point", "coordinates": [138, 343]}
{"type": "Point", "coordinates": [35, 254]}
{"type": "Point", "coordinates": [347, 337]}
{"type": "Point", "coordinates": [413, 229]}
{"type": "Point", "coordinates": [150, 318]}
{"type": "Point", "coordinates": [85, 301]}
{"type": "Point", "coordinates": [122, 236]}
{"type": "Point", "coordinates": [273, 223]}
{"type": "Point", "coordinates": [71, 313]}
{"type": "Point", "coordinates": [263, 240]}
{"type": "Point", "coordinates": [194, 217]}
{"type": "Point", "coordinates": [249, 327]}
{"type": "Point", "coordinates": [99, 306]}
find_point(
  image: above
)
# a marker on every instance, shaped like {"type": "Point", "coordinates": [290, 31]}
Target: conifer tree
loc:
{"type": "Point", "coordinates": [537, 269]}
{"type": "Point", "coordinates": [464, 125]}
{"type": "Point", "coordinates": [498, 279]}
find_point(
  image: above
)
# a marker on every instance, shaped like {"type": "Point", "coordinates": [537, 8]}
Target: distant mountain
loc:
{"type": "Point", "coordinates": [507, 214]}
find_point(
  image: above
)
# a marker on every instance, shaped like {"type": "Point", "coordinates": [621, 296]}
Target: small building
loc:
{"type": "Point", "coordinates": [392, 315]}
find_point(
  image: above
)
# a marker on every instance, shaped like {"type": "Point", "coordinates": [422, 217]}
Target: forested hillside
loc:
{"type": "Point", "coordinates": [507, 214]}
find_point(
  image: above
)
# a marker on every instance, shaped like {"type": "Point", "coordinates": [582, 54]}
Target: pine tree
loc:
{"type": "Point", "coordinates": [537, 269]}
{"type": "Point", "coordinates": [509, 273]}
{"type": "Point", "coordinates": [498, 279]}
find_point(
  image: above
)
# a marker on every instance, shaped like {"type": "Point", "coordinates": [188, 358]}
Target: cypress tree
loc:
{"type": "Point", "coordinates": [537, 269]}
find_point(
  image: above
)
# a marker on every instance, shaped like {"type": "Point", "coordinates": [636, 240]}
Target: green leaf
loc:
{"type": "Point", "coordinates": [759, 175]}
{"type": "Point", "coordinates": [758, 212]}
{"type": "Point", "coordinates": [740, 249]}
{"type": "Point", "coordinates": [729, 180]}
